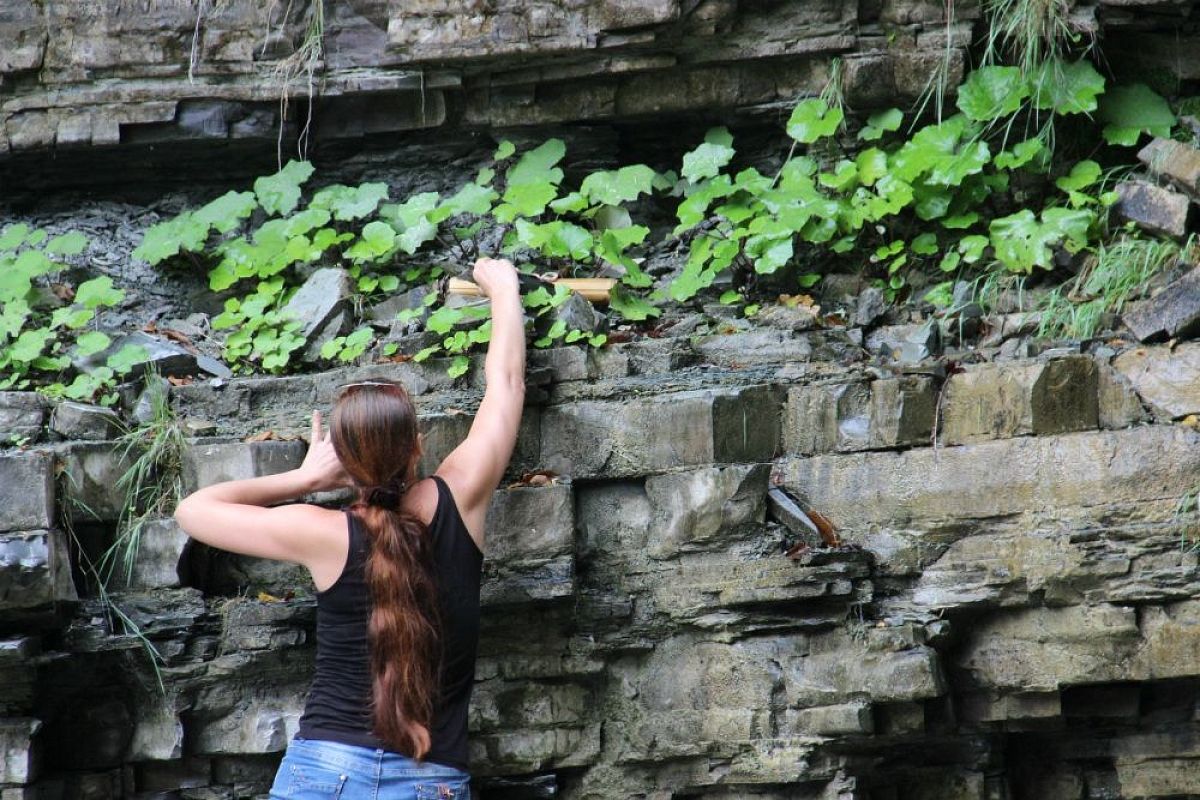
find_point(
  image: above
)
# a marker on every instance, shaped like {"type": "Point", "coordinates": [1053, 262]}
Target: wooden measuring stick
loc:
{"type": "Point", "coordinates": [594, 289]}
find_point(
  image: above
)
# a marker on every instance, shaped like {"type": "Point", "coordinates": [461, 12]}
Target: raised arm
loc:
{"type": "Point", "coordinates": [474, 469]}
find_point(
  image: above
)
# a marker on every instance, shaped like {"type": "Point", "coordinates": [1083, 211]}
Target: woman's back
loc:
{"type": "Point", "coordinates": [338, 707]}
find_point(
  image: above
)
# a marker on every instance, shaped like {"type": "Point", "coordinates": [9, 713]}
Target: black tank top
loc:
{"type": "Point", "coordinates": [339, 704]}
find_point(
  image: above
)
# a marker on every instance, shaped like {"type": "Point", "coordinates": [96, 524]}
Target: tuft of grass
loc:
{"type": "Point", "coordinates": [153, 483]}
{"type": "Point", "coordinates": [1117, 273]}
{"type": "Point", "coordinates": [302, 64]}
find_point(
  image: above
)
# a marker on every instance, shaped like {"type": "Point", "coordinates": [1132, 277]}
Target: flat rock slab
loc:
{"type": "Point", "coordinates": [1176, 161]}
{"type": "Point", "coordinates": [1173, 312]}
{"type": "Point", "coordinates": [26, 491]}
{"type": "Point", "coordinates": [1153, 208]}
{"type": "Point", "coordinates": [1168, 379]}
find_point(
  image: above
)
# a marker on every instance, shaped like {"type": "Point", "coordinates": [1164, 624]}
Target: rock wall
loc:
{"type": "Point", "coordinates": [97, 92]}
{"type": "Point", "coordinates": [1009, 612]}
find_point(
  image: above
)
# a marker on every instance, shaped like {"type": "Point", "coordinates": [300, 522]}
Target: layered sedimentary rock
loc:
{"type": "Point", "coordinates": [1009, 613]}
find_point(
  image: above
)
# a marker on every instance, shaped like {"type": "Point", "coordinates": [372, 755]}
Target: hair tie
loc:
{"type": "Point", "coordinates": [387, 495]}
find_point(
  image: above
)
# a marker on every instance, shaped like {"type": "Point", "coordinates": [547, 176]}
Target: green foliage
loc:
{"type": "Point", "coordinates": [1130, 111]}
{"type": "Point", "coordinates": [39, 341]}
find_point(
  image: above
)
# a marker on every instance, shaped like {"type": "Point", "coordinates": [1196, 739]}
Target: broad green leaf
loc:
{"type": "Point", "coordinates": [29, 345]}
{"type": "Point", "coordinates": [505, 150]}
{"type": "Point", "coordinates": [630, 306]}
{"type": "Point", "coordinates": [1020, 154]}
{"type": "Point", "coordinates": [525, 200]}
{"type": "Point", "coordinates": [377, 239]}
{"type": "Point", "coordinates": [98, 292]}
{"type": "Point", "coordinates": [350, 202]}
{"type": "Point", "coordinates": [280, 193]}
{"type": "Point", "coordinates": [706, 161]}
{"type": "Point", "coordinates": [227, 211]}
{"type": "Point", "coordinates": [872, 165]}
{"type": "Point", "coordinates": [880, 122]}
{"type": "Point", "coordinates": [537, 165]}
{"type": "Point", "coordinates": [569, 203]}
{"type": "Point", "coordinates": [13, 236]}
{"type": "Point", "coordinates": [720, 136]}
{"type": "Point", "coordinates": [1067, 88]}
{"type": "Point", "coordinates": [812, 119]}
{"type": "Point", "coordinates": [91, 342]}
{"type": "Point", "coordinates": [925, 244]}
{"type": "Point", "coordinates": [1082, 175]}
{"type": "Point", "coordinates": [1132, 110]}
{"type": "Point", "coordinates": [458, 366]}
{"type": "Point", "coordinates": [68, 244]}
{"type": "Point", "coordinates": [34, 262]}
{"type": "Point", "coordinates": [992, 92]}
{"type": "Point", "coordinates": [619, 186]}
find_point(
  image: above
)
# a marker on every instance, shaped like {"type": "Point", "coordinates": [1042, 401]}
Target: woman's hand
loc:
{"type": "Point", "coordinates": [495, 275]}
{"type": "Point", "coordinates": [321, 467]}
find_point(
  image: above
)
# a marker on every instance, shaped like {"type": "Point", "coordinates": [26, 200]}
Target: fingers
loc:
{"type": "Point", "coordinates": [316, 428]}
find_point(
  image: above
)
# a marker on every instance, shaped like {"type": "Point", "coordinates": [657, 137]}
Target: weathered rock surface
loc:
{"type": "Point", "coordinates": [1153, 208]}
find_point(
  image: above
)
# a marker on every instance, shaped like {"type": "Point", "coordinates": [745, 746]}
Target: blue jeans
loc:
{"type": "Point", "coordinates": [319, 770]}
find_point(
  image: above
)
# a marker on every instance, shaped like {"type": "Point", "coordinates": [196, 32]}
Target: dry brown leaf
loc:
{"type": "Point", "coordinates": [541, 477]}
{"type": "Point", "coordinates": [185, 380]}
{"type": "Point", "coordinates": [63, 292]}
{"type": "Point", "coordinates": [263, 597]}
{"type": "Point", "coordinates": [263, 436]}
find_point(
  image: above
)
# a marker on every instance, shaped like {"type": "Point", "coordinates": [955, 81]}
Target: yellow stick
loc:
{"type": "Point", "coordinates": [594, 289]}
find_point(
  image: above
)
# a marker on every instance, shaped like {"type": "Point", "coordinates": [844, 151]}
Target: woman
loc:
{"type": "Point", "coordinates": [396, 573]}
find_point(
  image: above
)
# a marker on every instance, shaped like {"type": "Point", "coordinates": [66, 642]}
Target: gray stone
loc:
{"type": "Point", "coordinates": [84, 421]}
{"type": "Point", "coordinates": [691, 509]}
{"type": "Point", "coordinates": [564, 363]}
{"type": "Point", "coordinates": [1168, 379]}
{"type": "Point", "coordinates": [889, 412]}
{"type": "Point", "coordinates": [995, 401]}
{"type": "Point", "coordinates": [26, 491]}
{"type": "Point", "coordinates": [22, 415]}
{"type": "Point", "coordinates": [531, 523]}
{"type": "Point", "coordinates": [157, 732]}
{"type": "Point", "coordinates": [1176, 161]}
{"type": "Point", "coordinates": [907, 343]}
{"type": "Point", "coordinates": [871, 306]}
{"type": "Point", "coordinates": [578, 314]}
{"type": "Point", "coordinates": [35, 569]}
{"type": "Point", "coordinates": [142, 410]}
{"type": "Point", "coordinates": [1153, 208]}
{"type": "Point", "coordinates": [386, 310]}
{"type": "Point", "coordinates": [1173, 312]}
{"type": "Point", "coordinates": [162, 355]}
{"type": "Point", "coordinates": [1119, 405]}
{"type": "Point", "coordinates": [846, 719]}
{"type": "Point", "coordinates": [206, 464]}
{"type": "Point", "coordinates": [320, 304]}
{"type": "Point", "coordinates": [636, 436]}
{"type": "Point", "coordinates": [156, 563]}
{"type": "Point", "coordinates": [18, 752]}
{"type": "Point", "coordinates": [787, 318]}
{"type": "Point", "coordinates": [91, 480]}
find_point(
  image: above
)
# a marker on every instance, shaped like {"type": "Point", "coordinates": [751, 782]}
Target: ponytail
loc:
{"type": "Point", "coordinates": [404, 627]}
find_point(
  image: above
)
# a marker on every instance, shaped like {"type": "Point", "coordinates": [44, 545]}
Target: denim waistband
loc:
{"type": "Point", "coordinates": [369, 761]}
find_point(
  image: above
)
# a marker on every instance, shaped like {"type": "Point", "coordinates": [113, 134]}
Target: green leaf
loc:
{"type": "Point", "coordinates": [720, 136]}
{"type": "Point", "coordinates": [631, 306]}
{"type": "Point", "coordinates": [91, 342]}
{"type": "Point", "coordinates": [569, 203]}
{"type": "Point", "coordinates": [443, 319]}
{"type": "Point", "coordinates": [350, 202]}
{"type": "Point", "coordinates": [925, 244]}
{"type": "Point", "coordinates": [13, 236]}
{"type": "Point", "coordinates": [537, 165]}
{"type": "Point", "coordinates": [505, 150]}
{"type": "Point", "coordinates": [812, 119]}
{"type": "Point", "coordinates": [1132, 110]}
{"type": "Point", "coordinates": [1082, 175]}
{"type": "Point", "coordinates": [227, 211]}
{"type": "Point", "coordinates": [280, 193]}
{"type": "Point", "coordinates": [458, 366]}
{"type": "Point", "coordinates": [1021, 154]}
{"type": "Point", "coordinates": [1067, 88]}
{"type": "Point", "coordinates": [471, 199]}
{"type": "Point", "coordinates": [525, 200]}
{"type": "Point", "coordinates": [879, 122]}
{"type": "Point", "coordinates": [376, 240]}
{"type": "Point", "coordinates": [706, 161]}
{"type": "Point", "coordinates": [872, 165]}
{"type": "Point", "coordinates": [68, 244]}
{"type": "Point", "coordinates": [29, 345]}
{"type": "Point", "coordinates": [992, 92]}
{"type": "Point", "coordinates": [619, 186]}
{"type": "Point", "coordinates": [128, 357]}
{"type": "Point", "coordinates": [98, 292]}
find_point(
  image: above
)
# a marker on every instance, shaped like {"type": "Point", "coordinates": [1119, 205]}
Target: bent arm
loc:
{"type": "Point", "coordinates": [233, 516]}
{"type": "Point", "coordinates": [473, 470]}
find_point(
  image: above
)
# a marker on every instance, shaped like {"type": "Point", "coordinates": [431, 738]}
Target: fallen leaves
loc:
{"type": "Point", "coordinates": [542, 477]}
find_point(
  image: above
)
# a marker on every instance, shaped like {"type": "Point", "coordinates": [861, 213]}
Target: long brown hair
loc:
{"type": "Point", "coordinates": [374, 433]}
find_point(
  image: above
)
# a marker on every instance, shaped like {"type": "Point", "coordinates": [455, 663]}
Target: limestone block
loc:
{"type": "Point", "coordinates": [1176, 161]}
{"type": "Point", "coordinates": [501, 705]}
{"type": "Point", "coordinates": [156, 563]}
{"type": "Point", "coordinates": [655, 356]}
{"type": "Point", "coordinates": [846, 719]}
{"type": "Point", "coordinates": [1173, 312]}
{"type": "Point", "coordinates": [691, 509]}
{"type": "Point", "coordinates": [206, 464]}
{"type": "Point", "coordinates": [530, 523]}
{"type": "Point", "coordinates": [320, 305]}
{"type": "Point", "coordinates": [166, 357]}
{"type": "Point", "coordinates": [636, 436]}
{"type": "Point", "coordinates": [26, 491]}
{"type": "Point", "coordinates": [1166, 378]}
{"type": "Point", "coordinates": [828, 678]}
{"type": "Point", "coordinates": [184, 773]}
{"type": "Point", "coordinates": [444, 431]}
{"type": "Point", "coordinates": [157, 732]}
{"type": "Point", "coordinates": [1044, 649]}
{"type": "Point", "coordinates": [612, 519]}
{"type": "Point", "coordinates": [35, 569]}
{"type": "Point", "coordinates": [564, 363]}
{"type": "Point", "coordinates": [1158, 777]}
{"type": "Point", "coordinates": [1153, 208]}
{"type": "Point", "coordinates": [22, 415]}
{"type": "Point", "coordinates": [526, 751]}
{"type": "Point", "coordinates": [1119, 405]}
{"type": "Point", "coordinates": [90, 480]}
{"type": "Point", "coordinates": [255, 725]}
{"type": "Point", "coordinates": [528, 582]}
{"type": "Point", "coordinates": [84, 421]}
{"type": "Point", "coordinates": [1052, 477]}
{"type": "Point", "coordinates": [996, 401]}
{"type": "Point", "coordinates": [890, 412]}
{"type": "Point", "coordinates": [18, 752]}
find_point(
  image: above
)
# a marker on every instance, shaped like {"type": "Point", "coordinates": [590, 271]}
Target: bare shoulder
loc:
{"type": "Point", "coordinates": [422, 499]}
